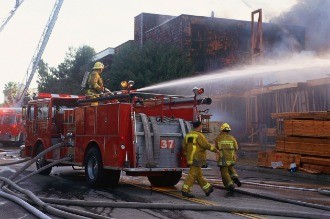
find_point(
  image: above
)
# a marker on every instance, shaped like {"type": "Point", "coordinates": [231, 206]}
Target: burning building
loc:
{"type": "Point", "coordinates": [246, 97]}
{"type": "Point", "coordinates": [215, 43]}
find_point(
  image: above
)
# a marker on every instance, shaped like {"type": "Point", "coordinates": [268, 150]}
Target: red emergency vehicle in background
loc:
{"type": "Point", "coordinates": [130, 131]}
{"type": "Point", "coordinates": [12, 131]}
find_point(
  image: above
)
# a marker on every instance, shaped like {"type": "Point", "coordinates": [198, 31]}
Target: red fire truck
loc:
{"type": "Point", "coordinates": [12, 131]}
{"type": "Point", "coordinates": [130, 131]}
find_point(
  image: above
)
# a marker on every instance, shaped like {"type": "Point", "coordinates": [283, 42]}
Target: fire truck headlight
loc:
{"type": "Point", "coordinates": [122, 146]}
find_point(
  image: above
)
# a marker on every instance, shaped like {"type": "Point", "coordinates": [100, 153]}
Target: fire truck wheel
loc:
{"type": "Point", "coordinates": [94, 171]}
{"type": "Point", "coordinates": [165, 179]}
{"type": "Point", "coordinates": [41, 162]}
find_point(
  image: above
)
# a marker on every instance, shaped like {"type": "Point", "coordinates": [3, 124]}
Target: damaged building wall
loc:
{"type": "Point", "coordinates": [146, 21]}
{"type": "Point", "coordinates": [215, 43]}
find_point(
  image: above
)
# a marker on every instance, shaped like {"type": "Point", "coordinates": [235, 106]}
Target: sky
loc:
{"type": "Point", "coordinates": [99, 24]}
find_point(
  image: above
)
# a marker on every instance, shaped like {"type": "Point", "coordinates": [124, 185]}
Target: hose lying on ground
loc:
{"type": "Point", "coordinates": [50, 209]}
{"type": "Point", "coordinates": [25, 205]}
{"type": "Point", "coordinates": [40, 203]}
{"type": "Point", "coordinates": [15, 162]}
{"type": "Point", "coordinates": [324, 191]}
{"type": "Point", "coordinates": [291, 201]}
{"type": "Point", "coordinates": [34, 159]}
{"type": "Point", "coordinates": [67, 209]}
{"type": "Point", "coordinates": [193, 207]}
{"type": "Point", "coordinates": [43, 168]}
{"type": "Point", "coordinates": [75, 211]}
{"type": "Point", "coordinates": [53, 210]}
{"type": "Point", "coordinates": [35, 199]}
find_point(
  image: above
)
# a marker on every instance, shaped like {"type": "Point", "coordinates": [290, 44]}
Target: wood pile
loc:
{"type": "Point", "coordinates": [277, 159]}
{"type": "Point", "coordinates": [303, 139]}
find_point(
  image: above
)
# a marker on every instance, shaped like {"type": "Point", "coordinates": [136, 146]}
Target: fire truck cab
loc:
{"type": "Point", "coordinates": [123, 132]}
{"type": "Point", "coordinates": [12, 129]}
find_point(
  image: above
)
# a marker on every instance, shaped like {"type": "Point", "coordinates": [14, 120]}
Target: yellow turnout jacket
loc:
{"type": "Point", "coordinates": [228, 146]}
{"type": "Point", "coordinates": [194, 147]}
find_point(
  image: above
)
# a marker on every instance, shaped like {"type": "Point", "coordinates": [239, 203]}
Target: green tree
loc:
{"type": "Point", "coordinates": [66, 78]}
{"type": "Point", "coordinates": [10, 93]}
{"type": "Point", "coordinates": [153, 63]}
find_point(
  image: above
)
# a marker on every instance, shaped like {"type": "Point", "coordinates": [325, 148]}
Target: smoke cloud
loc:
{"type": "Point", "coordinates": [315, 17]}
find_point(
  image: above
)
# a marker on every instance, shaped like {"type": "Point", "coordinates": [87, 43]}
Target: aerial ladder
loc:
{"type": "Point", "coordinates": [11, 14]}
{"type": "Point", "coordinates": [22, 91]}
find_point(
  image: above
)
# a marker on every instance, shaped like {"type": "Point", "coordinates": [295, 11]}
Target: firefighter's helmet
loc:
{"type": "Point", "coordinates": [98, 65]}
{"type": "Point", "coordinates": [225, 127]}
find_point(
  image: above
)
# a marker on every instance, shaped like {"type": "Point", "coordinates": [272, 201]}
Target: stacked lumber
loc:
{"type": "Point", "coordinates": [304, 136]}
{"type": "Point", "coordinates": [306, 128]}
{"type": "Point", "coordinates": [303, 145]}
{"type": "Point", "coordinates": [277, 159]}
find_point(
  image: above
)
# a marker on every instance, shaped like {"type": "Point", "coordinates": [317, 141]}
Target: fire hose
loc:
{"type": "Point", "coordinates": [34, 159]}
{"type": "Point", "coordinates": [25, 205]}
{"type": "Point", "coordinates": [34, 198]}
{"type": "Point", "coordinates": [291, 201]}
{"type": "Point", "coordinates": [193, 207]}
{"type": "Point", "coordinates": [301, 203]}
{"type": "Point", "coordinates": [70, 210]}
{"type": "Point", "coordinates": [324, 191]}
{"type": "Point", "coordinates": [40, 203]}
{"type": "Point", "coordinates": [15, 162]}
{"type": "Point", "coordinates": [52, 205]}
{"type": "Point", "coordinates": [43, 168]}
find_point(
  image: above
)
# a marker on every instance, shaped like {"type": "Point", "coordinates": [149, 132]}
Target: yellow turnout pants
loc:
{"type": "Point", "coordinates": [195, 174]}
{"type": "Point", "coordinates": [228, 173]}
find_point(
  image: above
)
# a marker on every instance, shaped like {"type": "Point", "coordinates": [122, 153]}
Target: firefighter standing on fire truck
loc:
{"type": "Point", "coordinates": [194, 148]}
{"type": "Point", "coordinates": [228, 146]}
{"type": "Point", "coordinates": [95, 86]}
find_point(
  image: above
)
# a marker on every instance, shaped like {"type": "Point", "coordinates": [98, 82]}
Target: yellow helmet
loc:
{"type": "Point", "coordinates": [225, 127]}
{"type": "Point", "coordinates": [98, 65]}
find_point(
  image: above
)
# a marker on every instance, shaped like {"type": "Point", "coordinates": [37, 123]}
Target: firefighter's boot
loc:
{"type": "Point", "coordinates": [237, 182]}
{"type": "Point", "coordinates": [208, 193]}
{"type": "Point", "coordinates": [231, 188]}
{"type": "Point", "coordinates": [188, 195]}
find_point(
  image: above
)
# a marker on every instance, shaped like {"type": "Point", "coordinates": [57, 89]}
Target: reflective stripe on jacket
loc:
{"type": "Point", "coordinates": [194, 146]}
{"type": "Point", "coordinates": [228, 146]}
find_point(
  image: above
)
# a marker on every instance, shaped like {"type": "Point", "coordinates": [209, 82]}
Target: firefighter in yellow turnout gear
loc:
{"type": "Point", "coordinates": [194, 148]}
{"type": "Point", "coordinates": [95, 85]}
{"type": "Point", "coordinates": [228, 146]}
